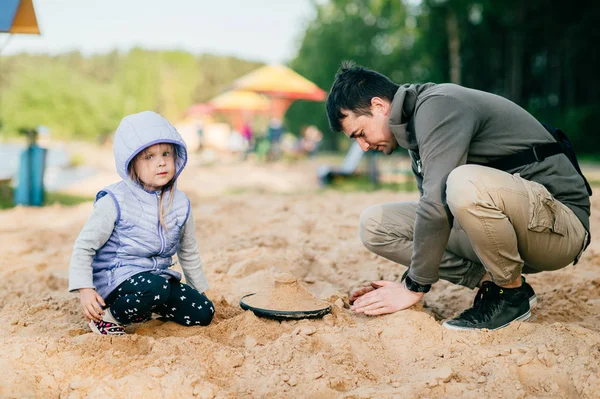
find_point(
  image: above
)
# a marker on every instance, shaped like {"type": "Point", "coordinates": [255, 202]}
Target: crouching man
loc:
{"type": "Point", "coordinates": [498, 195]}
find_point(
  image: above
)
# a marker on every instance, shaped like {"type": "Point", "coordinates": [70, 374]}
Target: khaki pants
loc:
{"type": "Point", "coordinates": [503, 224]}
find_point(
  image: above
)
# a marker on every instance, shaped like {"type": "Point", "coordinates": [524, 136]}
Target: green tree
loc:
{"type": "Point", "coordinates": [379, 34]}
{"type": "Point", "coordinates": [534, 53]}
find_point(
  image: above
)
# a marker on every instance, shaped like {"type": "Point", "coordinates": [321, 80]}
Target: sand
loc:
{"type": "Point", "coordinates": [245, 239]}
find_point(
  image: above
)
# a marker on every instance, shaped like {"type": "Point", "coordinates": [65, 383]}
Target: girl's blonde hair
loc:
{"type": "Point", "coordinates": [133, 175]}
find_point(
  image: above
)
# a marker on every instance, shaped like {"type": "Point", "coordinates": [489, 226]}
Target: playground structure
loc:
{"type": "Point", "coordinates": [327, 174]}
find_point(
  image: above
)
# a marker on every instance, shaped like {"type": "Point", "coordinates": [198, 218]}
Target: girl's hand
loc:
{"type": "Point", "coordinates": [91, 304]}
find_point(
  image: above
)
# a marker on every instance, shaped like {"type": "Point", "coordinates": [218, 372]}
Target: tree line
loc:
{"type": "Point", "coordinates": [86, 97]}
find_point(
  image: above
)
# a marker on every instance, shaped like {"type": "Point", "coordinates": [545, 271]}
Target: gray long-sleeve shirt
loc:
{"type": "Point", "coordinates": [446, 126]}
{"type": "Point", "coordinates": [97, 231]}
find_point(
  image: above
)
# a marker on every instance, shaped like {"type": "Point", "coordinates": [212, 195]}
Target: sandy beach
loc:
{"type": "Point", "coordinates": [253, 221]}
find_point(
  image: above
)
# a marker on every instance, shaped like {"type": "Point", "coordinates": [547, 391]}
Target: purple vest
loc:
{"type": "Point", "coordinates": [138, 242]}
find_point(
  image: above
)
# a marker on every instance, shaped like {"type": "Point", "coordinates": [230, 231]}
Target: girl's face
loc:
{"type": "Point", "coordinates": [155, 166]}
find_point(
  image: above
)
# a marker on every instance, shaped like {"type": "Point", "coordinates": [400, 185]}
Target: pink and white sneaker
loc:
{"type": "Point", "coordinates": [107, 326]}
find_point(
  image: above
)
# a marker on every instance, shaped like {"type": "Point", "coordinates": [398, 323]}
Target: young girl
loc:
{"type": "Point", "coordinates": [121, 259]}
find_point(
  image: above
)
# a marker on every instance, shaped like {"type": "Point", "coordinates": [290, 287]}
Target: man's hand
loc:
{"type": "Point", "coordinates": [362, 291]}
{"type": "Point", "coordinates": [383, 297]}
{"type": "Point", "coordinates": [91, 304]}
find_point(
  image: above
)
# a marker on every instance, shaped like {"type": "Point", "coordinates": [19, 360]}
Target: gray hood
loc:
{"type": "Point", "coordinates": [139, 131]}
{"type": "Point", "coordinates": [402, 112]}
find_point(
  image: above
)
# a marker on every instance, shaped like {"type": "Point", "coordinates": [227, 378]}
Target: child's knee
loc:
{"type": "Point", "coordinates": [206, 318]}
{"type": "Point", "coordinates": [206, 314]}
{"type": "Point", "coordinates": [157, 290]}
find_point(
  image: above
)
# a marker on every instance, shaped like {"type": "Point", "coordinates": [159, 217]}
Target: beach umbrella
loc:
{"type": "Point", "coordinates": [240, 101]}
{"type": "Point", "coordinates": [282, 85]}
{"type": "Point", "coordinates": [18, 16]}
{"type": "Point", "coordinates": [279, 81]}
{"type": "Point", "coordinates": [239, 105]}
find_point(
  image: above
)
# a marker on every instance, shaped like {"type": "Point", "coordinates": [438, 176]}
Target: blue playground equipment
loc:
{"type": "Point", "coordinates": [32, 164]}
{"type": "Point", "coordinates": [327, 173]}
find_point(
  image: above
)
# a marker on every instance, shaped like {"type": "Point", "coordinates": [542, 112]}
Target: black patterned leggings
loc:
{"type": "Point", "coordinates": [139, 296]}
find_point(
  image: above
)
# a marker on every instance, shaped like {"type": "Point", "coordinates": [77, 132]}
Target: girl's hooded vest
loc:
{"type": "Point", "coordinates": [138, 242]}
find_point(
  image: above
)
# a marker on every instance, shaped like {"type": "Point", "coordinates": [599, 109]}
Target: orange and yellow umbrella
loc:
{"type": "Point", "coordinates": [18, 16]}
{"type": "Point", "coordinates": [280, 81]}
{"type": "Point", "coordinates": [238, 105]}
{"type": "Point", "coordinates": [282, 85]}
{"type": "Point", "coordinates": [238, 100]}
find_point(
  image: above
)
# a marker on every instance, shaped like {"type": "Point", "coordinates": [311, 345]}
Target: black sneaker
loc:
{"type": "Point", "coordinates": [526, 287]}
{"type": "Point", "coordinates": [494, 308]}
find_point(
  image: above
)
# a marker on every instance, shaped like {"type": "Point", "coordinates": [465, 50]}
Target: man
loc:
{"type": "Point", "coordinates": [473, 225]}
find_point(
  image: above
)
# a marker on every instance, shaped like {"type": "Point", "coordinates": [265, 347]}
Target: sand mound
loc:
{"type": "Point", "coordinates": [285, 299]}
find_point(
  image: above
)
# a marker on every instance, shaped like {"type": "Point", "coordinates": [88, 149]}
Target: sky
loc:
{"type": "Point", "coordinates": [261, 30]}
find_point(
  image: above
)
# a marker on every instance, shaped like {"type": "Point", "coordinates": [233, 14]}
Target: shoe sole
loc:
{"type": "Point", "coordinates": [523, 317]}
{"type": "Point", "coordinates": [532, 302]}
{"type": "Point", "coordinates": [96, 331]}
{"type": "Point", "coordinates": [94, 328]}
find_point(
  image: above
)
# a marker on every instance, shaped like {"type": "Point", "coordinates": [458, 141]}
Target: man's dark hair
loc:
{"type": "Point", "coordinates": [353, 89]}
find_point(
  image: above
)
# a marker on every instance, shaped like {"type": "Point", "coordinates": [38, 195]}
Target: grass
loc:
{"type": "Point", "coordinates": [360, 183]}
{"type": "Point", "coordinates": [593, 159]}
{"type": "Point", "coordinates": [6, 198]}
{"type": "Point", "coordinates": [65, 199]}
{"type": "Point", "coordinates": [76, 159]}
{"type": "Point", "coordinates": [245, 190]}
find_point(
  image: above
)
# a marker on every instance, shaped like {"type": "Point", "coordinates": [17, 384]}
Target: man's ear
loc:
{"type": "Point", "coordinates": [379, 104]}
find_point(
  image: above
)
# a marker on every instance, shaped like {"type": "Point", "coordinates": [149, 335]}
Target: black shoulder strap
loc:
{"type": "Point", "coordinates": [535, 154]}
{"type": "Point", "coordinates": [568, 150]}
{"type": "Point", "coordinates": [540, 152]}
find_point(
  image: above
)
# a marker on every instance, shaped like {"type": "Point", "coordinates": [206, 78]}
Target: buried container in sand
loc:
{"type": "Point", "coordinates": [285, 299]}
